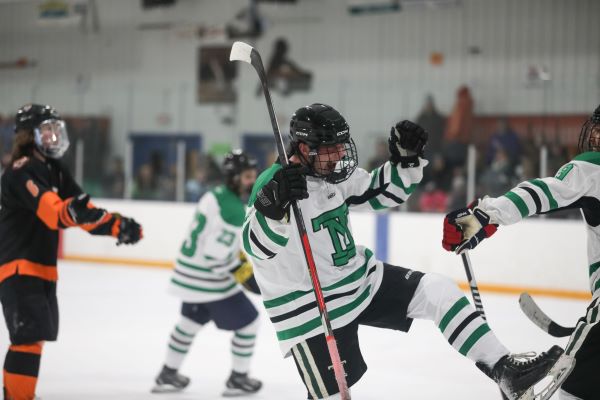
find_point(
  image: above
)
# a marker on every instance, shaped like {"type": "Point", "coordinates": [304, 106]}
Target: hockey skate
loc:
{"type": "Point", "coordinates": [240, 384]}
{"type": "Point", "coordinates": [517, 374]}
{"type": "Point", "coordinates": [170, 381]}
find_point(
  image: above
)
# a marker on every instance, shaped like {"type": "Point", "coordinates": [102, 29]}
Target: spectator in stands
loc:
{"type": "Point", "coordinates": [214, 174]}
{"type": "Point", "coordinates": [499, 176]}
{"type": "Point", "coordinates": [434, 123]}
{"type": "Point", "coordinates": [195, 185]}
{"type": "Point", "coordinates": [457, 135]}
{"type": "Point", "coordinates": [114, 180]}
{"type": "Point", "coordinates": [433, 199]}
{"type": "Point", "coordinates": [162, 176]}
{"type": "Point", "coordinates": [458, 189]}
{"type": "Point", "coordinates": [504, 138]}
{"type": "Point", "coordinates": [381, 155]}
{"type": "Point", "coordinates": [145, 187]}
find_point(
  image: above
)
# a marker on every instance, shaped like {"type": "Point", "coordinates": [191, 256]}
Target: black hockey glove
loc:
{"type": "Point", "coordinates": [129, 231]}
{"type": "Point", "coordinates": [83, 213]}
{"type": "Point", "coordinates": [407, 143]}
{"type": "Point", "coordinates": [288, 184]}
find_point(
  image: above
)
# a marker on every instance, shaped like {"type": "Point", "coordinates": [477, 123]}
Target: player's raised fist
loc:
{"type": "Point", "coordinates": [407, 143]}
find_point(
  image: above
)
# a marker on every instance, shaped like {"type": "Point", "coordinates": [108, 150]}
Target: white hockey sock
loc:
{"type": "Point", "coordinates": [180, 341]}
{"type": "Point", "coordinates": [438, 299]}
{"type": "Point", "coordinates": [242, 347]}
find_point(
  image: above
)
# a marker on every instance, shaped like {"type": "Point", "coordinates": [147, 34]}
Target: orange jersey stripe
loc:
{"type": "Point", "coordinates": [34, 348]}
{"type": "Point", "coordinates": [51, 209]}
{"type": "Point", "coordinates": [26, 267]}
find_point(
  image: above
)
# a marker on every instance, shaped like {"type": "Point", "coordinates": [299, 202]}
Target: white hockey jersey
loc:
{"type": "Point", "coordinates": [575, 185]}
{"type": "Point", "coordinates": [350, 274]}
{"type": "Point", "coordinates": [211, 249]}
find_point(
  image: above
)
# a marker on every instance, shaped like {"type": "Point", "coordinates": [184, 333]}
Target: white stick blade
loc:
{"type": "Point", "coordinates": [240, 51]}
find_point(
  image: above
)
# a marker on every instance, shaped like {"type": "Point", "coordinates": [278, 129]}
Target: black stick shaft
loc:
{"type": "Point", "coordinates": [473, 284]}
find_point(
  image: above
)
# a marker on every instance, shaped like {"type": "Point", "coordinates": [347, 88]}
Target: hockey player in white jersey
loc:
{"type": "Point", "coordinates": [575, 185]}
{"type": "Point", "coordinates": [208, 272]}
{"type": "Point", "coordinates": [358, 289]}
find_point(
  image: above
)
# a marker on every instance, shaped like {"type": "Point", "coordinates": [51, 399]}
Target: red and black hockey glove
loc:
{"type": "Point", "coordinates": [465, 228]}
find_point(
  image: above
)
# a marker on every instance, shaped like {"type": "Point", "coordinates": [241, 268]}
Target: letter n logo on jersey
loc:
{"type": "Point", "coordinates": [336, 223]}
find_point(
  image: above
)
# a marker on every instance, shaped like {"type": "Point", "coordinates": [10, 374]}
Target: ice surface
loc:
{"type": "Point", "coordinates": [115, 322]}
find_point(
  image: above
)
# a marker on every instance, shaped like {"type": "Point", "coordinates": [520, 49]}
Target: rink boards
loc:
{"type": "Point", "coordinates": [543, 256]}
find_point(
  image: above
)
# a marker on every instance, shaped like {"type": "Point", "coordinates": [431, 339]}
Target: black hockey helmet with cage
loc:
{"type": "Point", "coordinates": [30, 116]}
{"type": "Point", "coordinates": [319, 125]}
{"type": "Point", "coordinates": [589, 138]}
{"type": "Point", "coordinates": [234, 163]}
{"type": "Point", "coordinates": [48, 128]}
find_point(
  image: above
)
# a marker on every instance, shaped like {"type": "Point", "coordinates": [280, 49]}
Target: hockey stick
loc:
{"type": "Point", "coordinates": [473, 284]}
{"type": "Point", "coordinates": [559, 371]}
{"type": "Point", "coordinates": [243, 52]}
{"type": "Point", "coordinates": [541, 319]}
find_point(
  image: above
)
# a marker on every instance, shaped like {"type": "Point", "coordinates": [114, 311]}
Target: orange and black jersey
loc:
{"type": "Point", "coordinates": [34, 200]}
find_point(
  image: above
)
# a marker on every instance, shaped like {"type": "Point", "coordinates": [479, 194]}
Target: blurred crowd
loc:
{"type": "Point", "coordinates": [504, 156]}
{"type": "Point", "coordinates": [502, 159]}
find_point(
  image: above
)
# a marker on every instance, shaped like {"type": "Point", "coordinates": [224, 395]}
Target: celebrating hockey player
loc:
{"type": "Point", "coordinates": [39, 197]}
{"type": "Point", "coordinates": [358, 289]}
{"type": "Point", "coordinates": [208, 270]}
{"type": "Point", "coordinates": [575, 185]}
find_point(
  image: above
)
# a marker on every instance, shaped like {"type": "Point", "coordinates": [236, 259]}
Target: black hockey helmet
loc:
{"type": "Point", "coordinates": [48, 128]}
{"type": "Point", "coordinates": [320, 125]}
{"type": "Point", "coordinates": [589, 138]}
{"type": "Point", "coordinates": [234, 163]}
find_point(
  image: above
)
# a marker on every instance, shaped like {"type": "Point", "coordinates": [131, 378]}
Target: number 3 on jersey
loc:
{"type": "Point", "coordinates": [190, 245]}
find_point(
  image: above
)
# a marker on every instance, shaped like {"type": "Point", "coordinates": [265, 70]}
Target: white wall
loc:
{"type": "Point", "coordinates": [546, 254]}
{"type": "Point", "coordinates": [542, 253]}
{"type": "Point", "coordinates": [375, 69]}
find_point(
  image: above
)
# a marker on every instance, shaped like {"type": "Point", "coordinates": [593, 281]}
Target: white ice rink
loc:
{"type": "Point", "coordinates": [115, 322]}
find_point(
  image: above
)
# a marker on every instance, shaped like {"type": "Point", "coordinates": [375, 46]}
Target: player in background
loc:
{"type": "Point", "coordinates": [359, 289]}
{"type": "Point", "coordinates": [39, 197]}
{"type": "Point", "coordinates": [575, 185]}
{"type": "Point", "coordinates": [208, 272]}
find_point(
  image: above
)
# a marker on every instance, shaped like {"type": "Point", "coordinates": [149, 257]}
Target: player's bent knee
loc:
{"type": "Point", "coordinates": [438, 287]}
{"type": "Point", "coordinates": [433, 292]}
